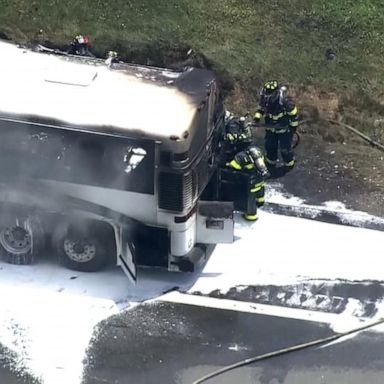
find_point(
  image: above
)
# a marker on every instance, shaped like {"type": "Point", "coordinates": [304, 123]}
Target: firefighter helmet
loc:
{"type": "Point", "coordinates": [80, 39]}
{"type": "Point", "coordinates": [112, 55]}
{"type": "Point", "coordinates": [270, 91]}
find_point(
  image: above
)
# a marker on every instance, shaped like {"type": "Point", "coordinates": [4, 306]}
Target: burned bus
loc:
{"type": "Point", "coordinates": [108, 162]}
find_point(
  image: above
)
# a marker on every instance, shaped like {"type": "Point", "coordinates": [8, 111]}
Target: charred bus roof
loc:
{"type": "Point", "coordinates": [86, 94]}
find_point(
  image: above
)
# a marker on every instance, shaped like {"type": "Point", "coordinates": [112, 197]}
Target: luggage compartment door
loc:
{"type": "Point", "coordinates": [215, 223]}
{"type": "Point", "coordinates": [126, 255]}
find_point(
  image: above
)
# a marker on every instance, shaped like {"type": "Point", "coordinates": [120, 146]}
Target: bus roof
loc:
{"type": "Point", "coordinates": [88, 94]}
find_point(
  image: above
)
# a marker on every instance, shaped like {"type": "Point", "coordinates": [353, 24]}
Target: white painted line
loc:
{"type": "Point", "coordinates": [261, 309]}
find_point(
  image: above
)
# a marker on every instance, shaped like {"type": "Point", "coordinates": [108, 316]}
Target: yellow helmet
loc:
{"type": "Point", "coordinates": [270, 91]}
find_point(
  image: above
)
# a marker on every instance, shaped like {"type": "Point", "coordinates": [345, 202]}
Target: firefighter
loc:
{"type": "Point", "coordinates": [251, 161]}
{"type": "Point", "coordinates": [281, 120]}
{"type": "Point", "coordinates": [112, 58]}
{"type": "Point", "coordinates": [79, 46]}
{"type": "Point", "coordinates": [237, 136]}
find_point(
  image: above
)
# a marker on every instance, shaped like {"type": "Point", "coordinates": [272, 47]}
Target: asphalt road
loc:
{"type": "Point", "coordinates": [178, 343]}
{"type": "Point", "coordinates": [354, 361]}
{"type": "Point", "coordinates": [8, 374]}
{"type": "Point", "coordinates": [164, 342]}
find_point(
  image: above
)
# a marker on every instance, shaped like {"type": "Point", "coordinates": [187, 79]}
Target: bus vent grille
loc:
{"type": "Point", "coordinates": [175, 191]}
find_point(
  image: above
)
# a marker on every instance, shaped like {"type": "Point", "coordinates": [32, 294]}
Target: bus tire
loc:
{"type": "Point", "coordinates": [21, 239]}
{"type": "Point", "coordinates": [80, 249]}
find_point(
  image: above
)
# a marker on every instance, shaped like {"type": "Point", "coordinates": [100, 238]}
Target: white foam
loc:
{"type": "Point", "coordinates": [47, 318]}
{"type": "Point", "coordinates": [284, 250]}
{"type": "Point", "coordinates": [276, 195]}
{"type": "Point", "coordinates": [48, 313]}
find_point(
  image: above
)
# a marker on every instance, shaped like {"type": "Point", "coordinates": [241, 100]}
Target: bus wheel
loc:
{"type": "Point", "coordinates": [79, 249]}
{"type": "Point", "coordinates": [20, 240]}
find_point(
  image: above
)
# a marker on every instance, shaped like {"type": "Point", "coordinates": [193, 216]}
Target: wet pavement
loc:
{"type": "Point", "coordinates": [354, 361]}
{"type": "Point", "coordinates": [7, 376]}
{"type": "Point", "coordinates": [351, 173]}
{"type": "Point", "coordinates": [177, 343]}
{"type": "Point", "coordinates": [166, 342]}
{"type": "Point", "coordinates": [8, 373]}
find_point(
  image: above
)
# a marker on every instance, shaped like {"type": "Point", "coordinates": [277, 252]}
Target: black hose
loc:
{"type": "Point", "coordinates": [287, 350]}
{"type": "Point", "coordinates": [296, 140]}
{"type": "Point", "coordinates": [351, 129]}
{"type": "Point", "coordinates": [357, 132]}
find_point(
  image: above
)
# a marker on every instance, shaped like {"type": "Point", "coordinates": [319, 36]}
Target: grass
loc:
{"type": "Point", "coordinates": [246, 41]}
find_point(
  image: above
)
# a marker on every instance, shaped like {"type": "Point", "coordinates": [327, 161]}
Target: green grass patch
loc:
{"type": "Point", "coordinates": [248, 40]}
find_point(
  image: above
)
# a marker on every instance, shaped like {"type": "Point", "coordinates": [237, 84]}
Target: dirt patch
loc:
{"type": "Point", "coordinates": [316, 104]}
{"type": "Point", "coordinates": [350, 172]}
{"type": "Point", "coordinates": [328, 132]}
{"type": "Point", "coordinates": [240, 101]}
{"type": "Point", "coordinates": [332, 162]}
{"type": "Point", "coordinates": [313, 104]}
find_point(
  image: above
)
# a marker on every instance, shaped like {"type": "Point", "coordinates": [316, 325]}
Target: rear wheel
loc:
{"type": "Point", "coordinates": [21, 239]}
{"type": "Point", "coordinates": [81, 248]}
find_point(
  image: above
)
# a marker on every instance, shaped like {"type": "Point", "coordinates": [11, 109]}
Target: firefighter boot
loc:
{"type": "Point", "coordinates": [290, 165]}
{"type": "Point", "coordinates": [250, 217]}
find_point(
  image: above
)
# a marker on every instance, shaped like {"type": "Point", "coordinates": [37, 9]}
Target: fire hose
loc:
{"type": "Point", "coordinates": [351, 129]}
{"type": "Point", "coordinates": [295, 139]}
{"type": "Point", "coordinates": [373, 143]}
{"type": "Point", "coordinates": [287, 350]}
{"type": "Point", "coordinates": [358, 133]}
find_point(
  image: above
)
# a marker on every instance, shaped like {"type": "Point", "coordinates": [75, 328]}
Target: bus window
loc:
{"type": "Point", "coordinates": [133, 157]}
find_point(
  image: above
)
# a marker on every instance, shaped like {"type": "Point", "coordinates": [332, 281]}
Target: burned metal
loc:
{"type": "Point", "coordinates": [110, 159]}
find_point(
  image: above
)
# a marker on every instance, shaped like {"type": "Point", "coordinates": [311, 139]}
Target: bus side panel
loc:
{"type": "Point", "coordinates": [30, 151]}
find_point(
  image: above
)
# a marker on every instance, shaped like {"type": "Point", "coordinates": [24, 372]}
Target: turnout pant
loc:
{"type": "Point", "coordinates": [275, 139]}
{"type": "Point", "coordinates": [245, 189]}
{"type": "Point", "coordinates": [255, 199]}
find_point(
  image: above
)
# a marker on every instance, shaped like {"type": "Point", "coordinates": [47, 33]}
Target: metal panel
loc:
{"type": "Point", "coordinates": [29, 151]}
{"type": "Point", "coordinates": [137, 206]}
{"type": "Point", "coordinates": [126, 253]}
{"type": "Point", "coordinates": [215, 223]}
{"type": "Point", "coordinates": [175, 191]}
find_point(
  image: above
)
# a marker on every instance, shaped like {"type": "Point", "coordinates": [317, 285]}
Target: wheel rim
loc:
{"type": "Point", "coordinates": [80, 251]}
{"type": "Point", "coordinates": [16, 240]}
